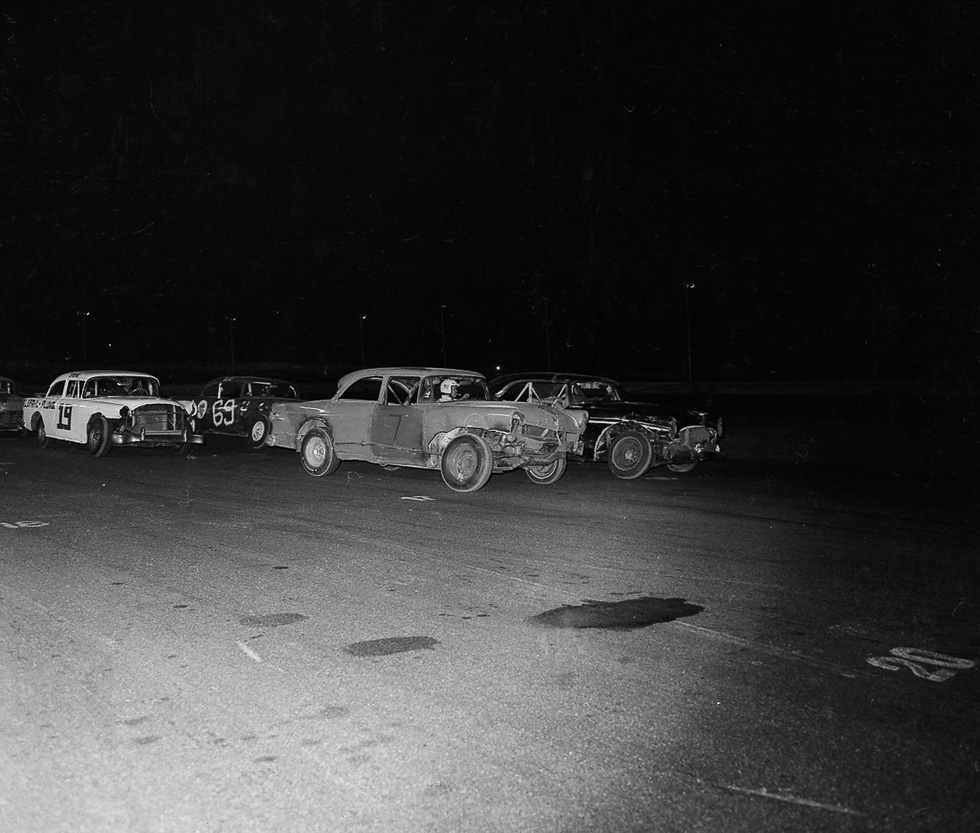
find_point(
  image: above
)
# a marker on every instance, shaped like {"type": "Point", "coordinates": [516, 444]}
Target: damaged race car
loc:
{"type": "Point", "coordinates": [106, 408]}
{"type": "Point", "coordinates": [630, 436]}
{"type": "Point", "coordinates": [431, 418]}
{"type": "Point", "coordinates": [238, 406]}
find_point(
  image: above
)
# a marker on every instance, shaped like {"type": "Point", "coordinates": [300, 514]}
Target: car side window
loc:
{"type": "Point", "coordinates": [231, 390]}
{"type": "Point", "coordinates": [402, 390]}
{"type": "Point", "coordinates": [363, 390]}
{"type": "Point", "coordinates": [211, 390]}
{"type": "Point", "coordinates": [74, 389]}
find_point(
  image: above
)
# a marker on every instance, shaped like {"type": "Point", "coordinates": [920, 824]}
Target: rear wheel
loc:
{"type": "Point", "coordinates": [43, 440]}
{"type": "Point", "coordinates": [318, 454]}
{"type": "Point", "coordinates": [258, 432]}
{"type": "Point", "coordinates": [630, 455]}
{"type": "Point", "coordinates": [98, 436]}
{"type": "Point", "coordinates": [546, 475]}
{"type": "Point", "coordinates": [467, 463]}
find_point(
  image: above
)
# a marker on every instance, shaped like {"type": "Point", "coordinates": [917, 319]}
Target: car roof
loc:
{"type": "Point", "coordinates": [85, 375]}
{"type": "Point", "coordinates": [550, 376]}
{"type": "Point", "coordinates": [248, 379]}
{"type": "Point", "coordinates": [405, 371]}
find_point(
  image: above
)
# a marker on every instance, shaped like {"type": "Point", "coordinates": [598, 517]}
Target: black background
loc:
{"type": "Point", "coordinates": [515, 184]}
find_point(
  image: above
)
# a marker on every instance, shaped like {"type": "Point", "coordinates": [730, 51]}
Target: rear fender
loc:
{"type": "Point", "coordinates": [309, 425]}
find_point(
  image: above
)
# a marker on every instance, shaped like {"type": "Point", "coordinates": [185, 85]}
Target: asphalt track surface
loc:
{"type": "Point", "coordinates": [223, 643]}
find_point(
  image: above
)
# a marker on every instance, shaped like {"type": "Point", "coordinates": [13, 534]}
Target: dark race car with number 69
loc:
{"type": "Point", "coordinates": [239, 406]}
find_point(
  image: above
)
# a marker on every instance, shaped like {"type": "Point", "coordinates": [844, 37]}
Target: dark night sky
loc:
{"type": "Point", "coordinates": [523, 182]}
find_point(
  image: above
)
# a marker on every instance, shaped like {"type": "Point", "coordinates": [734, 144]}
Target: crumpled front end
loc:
{"type": "Point", "coordinates": [539, 435]}
{"type": "Point", "coordinates": [695, 443]}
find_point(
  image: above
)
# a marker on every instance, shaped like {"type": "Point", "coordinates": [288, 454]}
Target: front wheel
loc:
{"type": "Point", "coordinates": [630, 455]}
{"type": "Point", "coordinates": [467, 463]}
{"type": "Point", "coordinates": [318, 454]}
{"type": "Point", "coordinates": [682, 468]}
{"type": "Point", "coordinates": [98, 436]}
{"type": "Point", "coordinates": [546, 475]}
{"type": "Point", "coordinates": [258, 433]}
{"type": "Point", "coordinates": [43, 440]}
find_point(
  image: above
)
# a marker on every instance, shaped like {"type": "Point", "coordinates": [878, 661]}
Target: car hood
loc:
{"type": "Point", "coordinates": [570, 420]}
{"type": "Point", "coordinates": [133, 402]}
{"type": "Point", "coordinates": [639, 411]}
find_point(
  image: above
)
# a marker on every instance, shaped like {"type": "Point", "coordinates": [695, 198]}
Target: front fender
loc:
{"type": "Point", "coordinates": [659, 438]}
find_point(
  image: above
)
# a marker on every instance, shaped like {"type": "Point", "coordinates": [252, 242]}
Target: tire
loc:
{"type": "Point", "coordinates": [630, 455]}
{"type": "Point", "coordinates": [258, 432]}
{"type": "Point", "coordinates": [683, 468]}
{"type": "Point", "coordinates": [318, 454]}
{"type": "Point", "coordinates": [43, 440]}
{"type": "Point", "coordinates": [183, 449]}
{"type": "Point", "coordinates": [98, 436]}
{"type": "Point", "coordinates": [467, 463]}
{"type": "Point", "coordinates": [546, 475]}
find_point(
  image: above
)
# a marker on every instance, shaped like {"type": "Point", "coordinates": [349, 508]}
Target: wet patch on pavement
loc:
{"type": "Point", "coordinates": [391, 645]}
{"type": "Point", "coordinates": [272, 620]}
{"type": "Point", "coordinates": [624, 615]}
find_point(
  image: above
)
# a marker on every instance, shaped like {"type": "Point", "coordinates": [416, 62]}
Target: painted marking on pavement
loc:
{"type": "Point", "coordinates": [24, 524]}
{"type": "Point", "coordinates": [417, 497]}
{"type": "Point", "coordinates": [916, 660]}
{"type": "Point", "coordinates": [249, 652]}
{"type": "Point", "coordinates": [792, 799]}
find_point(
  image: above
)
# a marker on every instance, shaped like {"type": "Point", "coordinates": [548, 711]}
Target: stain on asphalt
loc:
{"type": "Point", "coordinates": [391, 645]}
{"type": "Point", "coordinates": [624, 615]}
{"type": "Point", "coordinates": [272, 620]}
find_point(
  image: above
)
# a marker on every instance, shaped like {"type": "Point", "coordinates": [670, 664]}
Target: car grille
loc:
{"type": "Point", "coordinates": [157, 418]}
{"type": "Point", "coordinates": [695, 435]}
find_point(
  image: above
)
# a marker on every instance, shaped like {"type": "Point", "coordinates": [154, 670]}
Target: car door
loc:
{"type": "Point", "coordinates": [350, 415]}
{"type": "Point", "coordinates": [224, 407]}
{"type": "Point", "coordinates": [396, 428]}
{"type": "Point", "coordinates": [69, 423]}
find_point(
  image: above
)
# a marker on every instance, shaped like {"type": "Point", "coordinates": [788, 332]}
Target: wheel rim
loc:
{"type": "Point", "coordinates": [41, 433]}
{"type": "Point", "coordinates": [316, 452]}
{"type": "Point", "coordinates": [544, 472]}
{"type": "Point", "coordinates": [258, 431]}
{"type": "Point", "coordinates": [628, 453]}
{"type": "Point", "coordinates": [463, 463]}
{"type": "Point", "coordinates": [94, 437]}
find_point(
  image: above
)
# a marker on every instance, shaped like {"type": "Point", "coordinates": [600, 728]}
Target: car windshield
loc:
{"type": "Point", "coordinates": [582, 393]}
{"type": "Point", "coordinates": [121, 386]}
{"type": "Point", "coordinates": [274, 390]}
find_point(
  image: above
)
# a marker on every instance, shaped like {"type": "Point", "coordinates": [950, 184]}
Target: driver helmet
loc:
{"type": "Point", "coordinates": [448, 389]}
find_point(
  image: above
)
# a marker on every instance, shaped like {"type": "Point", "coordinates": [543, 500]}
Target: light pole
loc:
{"type": "Point", "coordinates": [687, 308]}
{"type": "Point", "coordinates": [83, 314]}
{"type": "Point", "coordinates": [442, 329]}
{"type": "Point", "coordinates": [362, 339]}
{"type": "Point", "coordinates": [547, 336]}
{"type": "Point", "coordinates": [231, 338]}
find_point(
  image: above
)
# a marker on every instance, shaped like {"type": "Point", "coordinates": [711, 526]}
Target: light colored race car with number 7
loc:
{"type": "Point", "coordinates": [432, 418]}
{"type": "Point", "coordinates": [106, 408]}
